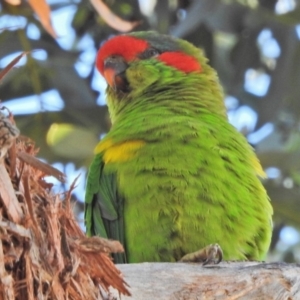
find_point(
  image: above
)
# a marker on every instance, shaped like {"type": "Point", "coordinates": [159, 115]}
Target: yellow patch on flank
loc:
{"type": "Point", "coordinates": [118, 152]}
{"type": "Point", "coordinates": [258, 168]}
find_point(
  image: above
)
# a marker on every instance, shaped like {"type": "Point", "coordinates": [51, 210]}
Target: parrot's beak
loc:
{"type": "Point", "coordinates": [114, 73]}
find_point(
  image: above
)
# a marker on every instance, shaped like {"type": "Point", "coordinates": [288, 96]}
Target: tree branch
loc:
{"type": "Point", "coordinates": [228, 280]}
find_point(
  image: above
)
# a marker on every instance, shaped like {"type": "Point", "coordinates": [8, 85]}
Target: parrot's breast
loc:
{"type": "Point", "coordinates": [190, 186]}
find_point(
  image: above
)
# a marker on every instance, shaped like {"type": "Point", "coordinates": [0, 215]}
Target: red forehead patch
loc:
{"type": "Point", "coordinates": [180, 61]}
{"type": "Point", "coordinates": [127, 46]}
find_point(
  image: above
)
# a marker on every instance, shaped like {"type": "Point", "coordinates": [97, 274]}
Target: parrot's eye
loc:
{"type": "Point", "coordinates": [148, 53]}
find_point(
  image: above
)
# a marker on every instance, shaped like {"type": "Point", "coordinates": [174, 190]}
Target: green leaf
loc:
{"type": "Point", "coordinates": [71, 141]}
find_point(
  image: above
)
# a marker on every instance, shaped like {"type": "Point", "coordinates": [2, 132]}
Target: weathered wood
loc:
{"type": "Point", "coordinates": [228, 280]}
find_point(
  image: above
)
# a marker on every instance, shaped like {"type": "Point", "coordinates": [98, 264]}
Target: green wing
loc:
{"type": "Point", "coordinates": [104, 206]}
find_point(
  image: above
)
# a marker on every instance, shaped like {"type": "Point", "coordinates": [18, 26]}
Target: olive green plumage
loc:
{"type": "Point", "coordinates": [190, 181]}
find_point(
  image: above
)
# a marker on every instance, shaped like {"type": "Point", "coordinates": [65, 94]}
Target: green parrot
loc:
{"type": "Point", "coordinates": [172, 175]}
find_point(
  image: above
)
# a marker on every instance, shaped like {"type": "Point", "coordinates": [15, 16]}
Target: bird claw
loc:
{"type": "Point", "coordinates": [215, 254]}
{"type": "Point", "coordinates": [210, 254]}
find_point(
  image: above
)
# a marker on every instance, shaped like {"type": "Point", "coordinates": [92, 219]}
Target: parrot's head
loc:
{"type": "Point", "coordinates": [144, 67]}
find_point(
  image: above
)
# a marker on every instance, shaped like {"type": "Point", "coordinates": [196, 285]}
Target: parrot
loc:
{"type": "Point", "coordinates": [172, 176]}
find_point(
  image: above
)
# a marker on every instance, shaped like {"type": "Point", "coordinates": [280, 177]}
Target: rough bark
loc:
{"type": "Point", "coordinates": [43, 252]}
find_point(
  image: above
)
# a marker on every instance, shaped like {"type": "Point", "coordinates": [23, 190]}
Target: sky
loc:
{"type": "Point", "coordinates": [255, 81]}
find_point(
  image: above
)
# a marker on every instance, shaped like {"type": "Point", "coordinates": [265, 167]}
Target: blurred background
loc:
{"type": "Point", "coordinates": [58, 97]}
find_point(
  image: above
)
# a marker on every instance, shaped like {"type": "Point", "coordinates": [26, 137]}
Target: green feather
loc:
{"type": "Point", "coordinates": [103, 206]}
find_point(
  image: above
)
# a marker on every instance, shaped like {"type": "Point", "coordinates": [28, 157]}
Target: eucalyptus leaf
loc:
{"type": "Point", "coordinates": [71, 141]}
